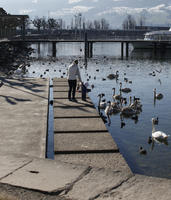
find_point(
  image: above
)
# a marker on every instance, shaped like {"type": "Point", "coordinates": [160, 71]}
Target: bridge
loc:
{"type": "Point", "coordinates": [88, 48]}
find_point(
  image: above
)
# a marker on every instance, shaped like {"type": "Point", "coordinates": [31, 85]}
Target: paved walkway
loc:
{"type": "Point", "coordinates": [87, 162]}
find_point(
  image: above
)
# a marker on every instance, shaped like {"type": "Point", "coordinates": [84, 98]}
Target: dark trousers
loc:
{"type": "Point", "coordinates": [72, 88]}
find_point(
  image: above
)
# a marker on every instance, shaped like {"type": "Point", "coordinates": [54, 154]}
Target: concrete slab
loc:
{"type": "Point", "coordinates": [10, 163]}
{"type": "Point", "coordinates": [24, 106]}
{"type": "Point", "coordinates": [141, 187]}
{"type": "Point", "coordinates": [45, 175]}
{"type": "Point", "coordinates": [60, 84]}
{"type": "Point", "coordinates": [84, 142]}
{"type": "Point", "coordinates": [64, 95]}
{"type": "Point", "coordinates": [59, 80]}
{"type": "Point", "coordinates": [60, 89]}
{"type": "Point", "coordinates": [111, 161]}
{"type": "Point", "coordinates": [97, 181]}
{"type": "Point", "coordinates": [75, 111]}
{"type": "Point", "coordinates": [79, 125]}
{"type": "Point", "coordinates": [66, 102]}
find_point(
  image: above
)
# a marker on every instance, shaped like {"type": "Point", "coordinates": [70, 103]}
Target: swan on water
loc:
{"type": "Point", "coordinates": [157, 96]}
{"type": "Point", "coordinates": [108, 111]}
{"type": "Point", "coordinates": [101, 103]}
{"type": "Point", "coordinates": [126, 90]}
{"type": "Point", "coordinates": [142, 150]}
{"type": "Point", "coordinates": [115, 107]}
{"type": "Point", "coordinates": [156, 120]}
{"type": "Point", "coordinates": [113, 76]}
{"type": "Point", "coordinates": [127, 110]}
{"type": "Point", "coordinates": [157, 134]}
{"type": "Point", "coordinates": [116, 96]}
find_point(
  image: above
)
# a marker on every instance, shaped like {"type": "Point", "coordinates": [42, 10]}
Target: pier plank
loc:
{"type": "Point", "coordinates": [66, 102]}
{"type": "Point", "coordinates": [79, 125]}
{"type": "Point", "coordinates": [60, 89]}
{"type": "Point", "coordinates": [87, 142]}
{"type": "Point", "coordinates": [75, 111]}
{"type": "Point", "coordinates": [112, 161]}
{"type": "Point", "coordinates": [56, 80]}
{"type": "Point", "coordinates": [64, 95]}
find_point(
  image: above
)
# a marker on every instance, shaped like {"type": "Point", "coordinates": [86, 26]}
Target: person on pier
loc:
{"type": "Point", "coordinates": [72, 74]}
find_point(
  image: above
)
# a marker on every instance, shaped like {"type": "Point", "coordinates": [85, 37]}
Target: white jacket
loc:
{"type": "Point", "coordinates": [73, 72]}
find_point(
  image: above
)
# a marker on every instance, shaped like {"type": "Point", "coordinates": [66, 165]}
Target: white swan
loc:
{"type": "Point", "coordinates": [157, 96]}
{"type": "Point", "coordinates": [156, 120]}
{"type": "Point", "coordinates": [108, 111]}
{"type": "Point", "coordinates": [101, 104]}
{"type": "Point", "coordinates": [158, 135]}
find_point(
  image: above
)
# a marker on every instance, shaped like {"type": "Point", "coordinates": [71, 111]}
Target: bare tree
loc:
{"type": "Point", "coordinates": [37, 22]}
{"type": "Point", "coordinates": [44, 24]}
{"type": "Point", "coordinates": [52, 24]}
{"type": "Point", "coordinates": [142, 20]}
{"type": "Point", "coordinates": [72, 23]}
{"type": "Point", "coordinates": [104, 24]}
{"type": "Point", "coordinates": [129, 22]}
{"type": "Point", "coordinates": [89, 25]}
{"type": "Point", "coordinates": [97, 24]}
{"type": "Point", "coordinates": [125, 24]}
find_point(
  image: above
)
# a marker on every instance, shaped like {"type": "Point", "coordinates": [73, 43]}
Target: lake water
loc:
{"type": "Point", "coordinates": [137, 68]}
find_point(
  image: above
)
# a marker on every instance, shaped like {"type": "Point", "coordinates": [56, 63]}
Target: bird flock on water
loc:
{"type": "Point", "coordinates": [128, 106]}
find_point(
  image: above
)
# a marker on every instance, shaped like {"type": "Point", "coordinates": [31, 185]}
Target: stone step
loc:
{"type": "Point", "coordinates": [75, 111]}
{"type": "Point", "coordinates": [66, 102]}
{"type": "Point", "coordinates": [84, 142]}
{"type": "Point", "coordinates": [72, 125]}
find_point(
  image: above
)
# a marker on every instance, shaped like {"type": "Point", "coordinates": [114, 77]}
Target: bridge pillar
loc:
{"type": "Point", "coordinates": [38, 48]}
{"type": "Point", "coordinates": [54, 49]}
{"type": "Point", "coordinates": [127, 50]}
{"type": "Point", "coordinates": [90, 49]}
{"type": "Point", "coordinates": [122, 50]}
{"type": "Point", "coordinates": [85, 49]}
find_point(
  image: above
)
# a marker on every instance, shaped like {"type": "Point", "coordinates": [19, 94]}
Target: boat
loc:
{"type": "Point", "coordinates": [161, 38]}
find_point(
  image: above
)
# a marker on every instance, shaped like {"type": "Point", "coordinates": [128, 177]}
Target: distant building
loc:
{"type": "Point", "coordinates": [2, 12]}
{"type": "Point", "coordinates": [9, 24]}
{"type": "Point", "coordinates": [152, 28]}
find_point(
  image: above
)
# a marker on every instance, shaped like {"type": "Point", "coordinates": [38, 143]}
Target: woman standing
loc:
{"type": "Point", "coordinates": [72, 74]}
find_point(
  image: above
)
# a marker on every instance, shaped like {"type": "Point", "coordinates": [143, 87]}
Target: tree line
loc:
{"type": "Point", "coordinates": [78, 22]}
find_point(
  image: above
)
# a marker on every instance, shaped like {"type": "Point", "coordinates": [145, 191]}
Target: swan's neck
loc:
{"type": "Point", "coordinates": [130, 101]}
{"type": "Point", "coordinates": [153, 128]}
{"type": "Point", "coordinates": [99, 100]}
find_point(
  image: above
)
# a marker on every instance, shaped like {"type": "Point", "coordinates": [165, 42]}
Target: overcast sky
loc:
{"type": "Point", "coordinates": [155, 11]}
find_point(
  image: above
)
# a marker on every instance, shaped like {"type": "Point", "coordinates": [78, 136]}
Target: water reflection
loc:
{"type": "Point", "coordinates": [149, 54]}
